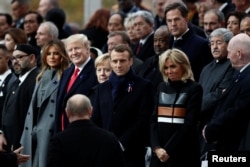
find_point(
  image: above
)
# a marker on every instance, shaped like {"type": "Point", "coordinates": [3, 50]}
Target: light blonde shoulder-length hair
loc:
{"type": "Point", "coordinates": [177, 57]}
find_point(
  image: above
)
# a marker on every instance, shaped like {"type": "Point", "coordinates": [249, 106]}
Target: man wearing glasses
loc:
{"type": "Point", "coordinates": [18, 97]}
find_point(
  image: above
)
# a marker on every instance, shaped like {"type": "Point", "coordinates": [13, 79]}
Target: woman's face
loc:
{"type": "Point", "coordinates": [9, 42]}
{"type": "Point", "coordinates": [103, 72]}
{"type": "Point", "coordinates": [173, 71]}
{"type": "Point", "coordinates": [53, 58]}
{"type": "Point", "coordinates": [233, 25]}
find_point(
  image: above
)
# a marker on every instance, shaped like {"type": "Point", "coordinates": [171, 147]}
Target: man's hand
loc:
{"type": "Point", "coordinates": [21, 158]}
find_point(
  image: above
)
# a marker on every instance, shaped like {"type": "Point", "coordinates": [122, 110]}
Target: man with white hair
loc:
{"type": "Point", "coordinates": [46, 32]}
{"type": "Point", "coordinates": [222, 73]}
{"type": "Point", "coordinates": [231, 116]}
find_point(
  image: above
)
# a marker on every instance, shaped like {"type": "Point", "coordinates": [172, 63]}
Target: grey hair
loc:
{"type": "Point", "coordinates": [52, 29]}
{"type": "Point", "coordinates": [149, 18]}
{"type": "Point", "coordinates": [218, 13]}
{"type": "Point", "coordinates": [224, 32]}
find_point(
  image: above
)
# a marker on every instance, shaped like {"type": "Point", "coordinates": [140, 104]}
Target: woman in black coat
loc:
{"type": "Point", "coordinates": [174, 137]}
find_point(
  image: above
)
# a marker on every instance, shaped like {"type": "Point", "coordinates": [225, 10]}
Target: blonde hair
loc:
{"type": "Point", "coordinates": [78, 38]}
{"type": "Point", "coordinates": [102, 59]}
{"type": "Point", "coordinates": [177, 57]}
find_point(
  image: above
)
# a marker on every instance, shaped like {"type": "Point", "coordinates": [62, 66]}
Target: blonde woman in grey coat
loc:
{"type": "Point", "coordinates": [39, 123]}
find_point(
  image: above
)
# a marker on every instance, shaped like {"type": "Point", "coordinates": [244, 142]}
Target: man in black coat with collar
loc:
{"type": "Point", "coordinates": [17, 100]}
{"type": "Point", "coordinates": [78, 49]}
{"type": "Point", "coordinates": [124, 105]}
{"type": "Point", "coordinates": [185, 39]}
{"type": "Point", "coordinates": [82, 143]}
{"type": "Point", "coordinates": [231, 116]}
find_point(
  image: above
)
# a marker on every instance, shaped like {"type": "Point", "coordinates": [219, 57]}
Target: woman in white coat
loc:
{"type": "Point", "coordinates": [39, 123]}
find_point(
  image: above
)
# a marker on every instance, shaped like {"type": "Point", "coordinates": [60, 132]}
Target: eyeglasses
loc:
{"type": "Point", "coordinates": [18, 57]}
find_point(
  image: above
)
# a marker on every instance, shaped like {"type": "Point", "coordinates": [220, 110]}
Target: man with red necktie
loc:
{"type": "Point", "coordinates": [81, 82]}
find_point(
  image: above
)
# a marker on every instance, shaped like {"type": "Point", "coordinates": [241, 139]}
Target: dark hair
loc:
{"type": "Point", "coordinates": [8, 18]}
{"type": "Point", "coordinates": [39, 18]}
{"type": "Point", "coordinates": [239, 15]}
{"type": "Point", "coordinates": [122, 48]}
{"type": "Point", "coordinates": [18, 35]}
{"type": "Point", "coordinates": [181, 7]}
{"type": "Point", "coordinates": [99, 19]}
{"type": "Point", "coordinates": [123, 35]}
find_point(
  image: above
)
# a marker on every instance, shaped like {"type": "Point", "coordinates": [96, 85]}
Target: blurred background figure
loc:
{"type": "Point", "coordinates": [19, 8]}
{"type": "Point", "coordinates": [5, 24]}
{"type": "Point", "coordinates": [233, 20]}
{"type": "Point", "coordinates": [32, 21]}
{"type": "Point", "coordinates": [245, 25]}
{"type": "Point", "coordinates": [46, 5]}
{"type": "Point", "coordinates": [130, 29]}
{"type": "Point", "coordinates": [96, 29]}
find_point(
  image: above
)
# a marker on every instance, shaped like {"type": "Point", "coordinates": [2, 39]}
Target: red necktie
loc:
{"type": "Point", "coordinates": [72, 80]}
{"type": "Point", "coordinates": [138, 48]}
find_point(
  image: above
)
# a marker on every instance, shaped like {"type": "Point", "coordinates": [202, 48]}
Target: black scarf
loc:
{"type": "Point", "coordinates": [121, 84]}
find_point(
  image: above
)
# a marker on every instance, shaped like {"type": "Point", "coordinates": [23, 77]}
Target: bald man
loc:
{"type": "Point", "coordinates": [82, 143]}
{"type": "Point", "coordinates": [231, 117]}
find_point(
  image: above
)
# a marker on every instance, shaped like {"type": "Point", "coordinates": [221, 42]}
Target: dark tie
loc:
{"type": "Point", "coordinates": [138, 48]}
{"type": "Point", "coordinates": [73, 78]}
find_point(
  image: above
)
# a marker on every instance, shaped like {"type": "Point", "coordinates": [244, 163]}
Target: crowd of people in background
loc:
{"type": "Point", "coordinates": [136, 86]}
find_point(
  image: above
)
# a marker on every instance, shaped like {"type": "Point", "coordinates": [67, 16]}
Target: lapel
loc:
{"type": "Point", "coordinates": [84, 74]}
{"type": "Point", "coordinates": [54, 83]}
{"type": "Point", "coordinates": [237, 81]}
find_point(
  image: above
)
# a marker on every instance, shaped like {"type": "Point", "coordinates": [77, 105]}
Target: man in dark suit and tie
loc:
{"type": "Point", "coordinates": [123, 106]}
{"type": "Point", "coordinates": [77, 47]}
{"type": "Point", "coordinates": [19, 95]}
{"type": "Point", "coordinates": [82, 143]}
{"type": "Point", "coordinates": [144, 27]}
{"type": "Point", "coordinates": [231, 116]}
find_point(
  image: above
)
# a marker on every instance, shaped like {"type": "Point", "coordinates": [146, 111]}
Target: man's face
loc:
{"type": "Point", "coordinates": [113, 41]}
{"type": "Point", "coordinates": [3, 26]}
{"type": "Point", "coordinates": [43, 36]}
{"type": "Point", "coordinates": [218, 47]}
{"type": "Point", "coordinates": [142, 28]}
{"type": "Point", "coordinates": [211, 23]}
{"type": "Point", "coordinates": [20, 62]}
{"type": "Point", "coordinates": [177, 24]}
{"type": "Point", "coordinates": [245, 26]}
{"type": "Point", "coordinates": [78, 52]}
{"type": "Point", "coordinates": [120, 62]}
{"type": "Point", "coordinates": [30, 23]}
{"type": "Point", "coordinates": [44, 7]}
{"type": "Point", "coordinates": [159, 8]}
{"type": "Point", "coordinates": [3, 61]}
{"type": "Point", "coordinates": [16, 10]}
{"type": "Point", "coordinates": [115, 23]}
{"type": "Point", "coordinates": [160, 42]}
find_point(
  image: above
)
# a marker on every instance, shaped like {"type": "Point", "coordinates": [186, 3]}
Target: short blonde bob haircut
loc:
{"type": "Point", "coordinates": [102, 60]}
{"type": "Point", "coordinates": [177, 57]}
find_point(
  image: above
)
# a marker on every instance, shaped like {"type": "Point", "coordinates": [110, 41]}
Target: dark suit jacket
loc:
{"type": "Point", "coordinates": [197, 50]}
{"type": "Point", "coordinates": [4, 88]}
{"type": "Point", "coordinates": [15, 108]}
{"type": "Point", "coordinates": [127, 116]}
{"type": "Point", "coordinates": [84, 144]}
{"type": "Point", "coordinates": [147, 49]}
{"type": "Point", "coordinates": [231, 116]}
{"type": "Point", "coordinates": [82, 85]}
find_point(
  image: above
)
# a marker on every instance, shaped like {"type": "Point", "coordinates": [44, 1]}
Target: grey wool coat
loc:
{"type": "Point", "coordinates": [39, 123]}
